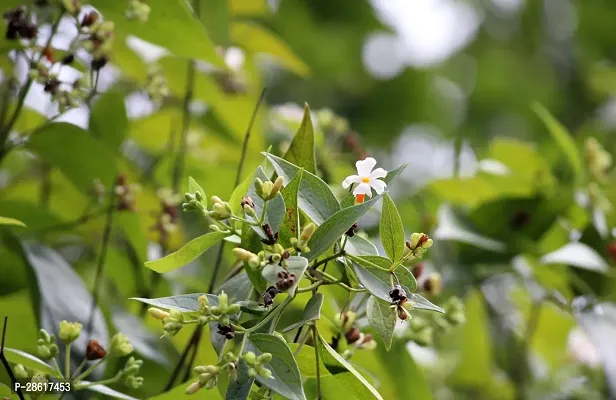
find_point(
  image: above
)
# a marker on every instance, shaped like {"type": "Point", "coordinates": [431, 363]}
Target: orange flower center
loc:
{"type": "Point", "coordinates": [365, 179]}
{"type": "Point", "coordinates": [359, 199]}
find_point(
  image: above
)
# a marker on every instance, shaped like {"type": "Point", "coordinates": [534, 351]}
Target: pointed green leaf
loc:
{"type": "Point", "coordinates": [382, 318]}
{"type": "Point", "coordinates": [239, 192]}
{"type": "Point", "coordinates": [275, 212]}
{"type": "Point", "coordinates": [286, 379]}
{"type": "Point", "coordinates": [188, 253]}
{"type": "Point", "coordinates": [184, 302]}
{"type": "Point", "coordinates": [360, 246]}
{"type": "Point", "coordinates": [29, 361]}
{"type": "Point", "coordinates": [391, 230]}
{"type": "Point", "coordinates": [11, 221]}
{"type": "Point", "coordinates": [563, 139]}
{"type": "Point", "coordinates": [357, 386]}
{"type": "Point", "coordinates": [290, 226]}
{"type": "Point", "coordinates": [301, 150]}
{"type": "Point", "coordinates": [335, 226]}
{"type": "Point", "coordinates": [108, 120]}
{"type": "Point", "coordinates": [312, 312]}
{"type": "Point", "coordinates": [316, 198]}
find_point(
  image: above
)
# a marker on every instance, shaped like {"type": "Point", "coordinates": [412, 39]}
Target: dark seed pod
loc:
{"type": "Point", "coordinates": [227, 331]}
{"type": "Point", "coordinates": [95, 351]}
{"type": "Point", "coordinates": [352, 335]}
{"type": "Point", "coordinates": [68, 59]}
{"type": "Point", "coordinates": [397, 294]}
{"type": "Point", "coordinates": [351, 231]}
{"type": "Point", "coordinates": [98, 63]}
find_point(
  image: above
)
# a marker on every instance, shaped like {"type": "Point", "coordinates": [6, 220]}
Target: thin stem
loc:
{"type": "Point", "coordinates": [298, 334]}
{"type": "Point", "coordinates": [45, 185]}
{"type": "Point", "coordinates": [302, 342]}
{"type": "Point", "coordinates": [328, 259]}
{"type": "Point", "coordinates": [178, 367]}
{"type": "Point", "coordinates": [71, 224]}
{"type": "Point", "coordinates": [457, 154]}
{"type": "Point", "coordinates": [192, 358]}
{"type": "Point", "coordinates": [531, 327]}
{"type": "Point", "coordinates": [272, 314]}
{"type": "Point", "coordinates": [103, 382]}
{"type": "Point", "coordinates": [180, 160]}
{"type": "Point", "coordinates": [253, 117]}
{"type": "Point", "coordinates": [316, 355]}
{"type": "Point", "coordinates": [5, 362]}
{"type": "Point", "coordinates": [91, 369]}
{"type": "Point", "coordinates": [101, 259]}
{"type": "Point", "coordinates": [67, 361]}
{"type": "Point", "coordinates": [79, 368]}
{"type": "Point", "coordinates": [56, 366]}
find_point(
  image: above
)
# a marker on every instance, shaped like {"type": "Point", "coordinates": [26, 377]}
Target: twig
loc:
{"type": "Point", "coordinates": [5, 362]}
{"type": "Point", "coordinates": [101, 259]}
{"type": "Point", "coordinates": [316, 355]}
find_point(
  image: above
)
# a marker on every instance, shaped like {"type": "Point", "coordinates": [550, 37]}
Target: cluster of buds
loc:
{"type": "Point", "coordinates": [301, 245]}
{"type": "Point", "coordinates": [125, 193]}
{"type": "Point", "coordinates": [221, 312]}
{"type": "Point", "coordinates": [194, 202]}
{"type": "Point", "coordinates": [268, 190]}
{"type": "Point", "coordinates": [269, 295]}
{"type": "Point", "coordinates": [46, 345]}
{"type": "Point", "coordinates": [69, 331]}
{"type": "Point", "coordinates": [120, 346]}
{"type": "Point", "coordinates": [271, 238]}
{"type": "Point", "coordinates": [19, 25]}
{"type": "Point", "coordinates": [598, 160]}
{"type": "Point", "coordinates": [253, 260]}
{"type": "Point", "coordinates": [422, 329]}
{"type": "Point", "coordinates": [100, 39]}
{"type": "Point", "coordinates": [285, 281]}
{"type": "Point", "coordinates": [221, 210]}
{"type": "Point", "coordinates": [67, 95]}
{"type": "Point", "coordinates": [138, 10]}
{"type": "Point", "coordinates": [156, 85]}
{"type": "Point", "coordinates": [400, 302]}
{"type": "Point", "coordinates": [173, 321]}
{"type": "Point", "coordinates": [167, 218]}
{"type": "Point", "coordinates": [208, 374]}
{"type": "Point", "coordinates": [419, 244]}
{"type": "Point", "coordinates": [256, 364]}
{"type": "Point", "coordinates": [129, 373]}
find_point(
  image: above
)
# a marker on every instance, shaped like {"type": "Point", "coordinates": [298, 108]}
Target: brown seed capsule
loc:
{"type": "Point", "coordinates": [227, 331]}
{"type": "Point", "coordinates": [402, 314]}
{"type": "Point", "coordinates": [95, 351]}
{"type": "Point", "coordinates": [423, 239]}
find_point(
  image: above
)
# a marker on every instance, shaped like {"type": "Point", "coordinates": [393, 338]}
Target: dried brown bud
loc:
{"type": "Point", "coordinates": [89, 19]}
{"type": "Point", "coordinates": [95, 351]}
{"type": "Point", "coordinates": [352, 335]}
{"type": "Point", "coordinates": [247, 201]}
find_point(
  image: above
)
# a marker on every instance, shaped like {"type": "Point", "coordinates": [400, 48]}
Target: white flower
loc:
{"type": "Point", "coordinates": [582, 349]}
{"type": "Point", "coordinates": [366, 178]}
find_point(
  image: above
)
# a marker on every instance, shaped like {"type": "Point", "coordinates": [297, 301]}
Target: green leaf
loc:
{"type": "Point", "coordinates": [239, 389]}
{"type": "Point", "coordinates": [108, 120]}
{"type": "Point", "coordinates": [287, 381]}
{"type": "Point", "coordinates": [301, 150]}
{"type": "Point", "coordinates": [356, 385]}
{"type": "Point", "coordinates": [79, 156]}
{"type": "Point", "coordinates": [184, 302]}
{"type": "Point", "coordinates": [171, 25]}
{"type": "Point", "coordinates": [335, 226]}
{"type": "Point", "coordinates": [257, 39]}
{"type": "Point", "coordinates": [451, 227]}
{"type": "Point", "coordinates": [564, 140]}
{"type": "Point", "coordinates": [579, 255]}
{"type": "Point", "coordinates": [188, 253]}
{"type": "Point", "coordinates": [29, 361]}
{"type": "Point", "coordinates": [290, 226]}
{"type": "Point", "coordinates": [475, 366]}
{"type": "Point", "coordinates": [178, 393]}
{"type": "Point", "coordinates": [216, 21]}
{"type": "Point", "coordinates": [316, 198]}
{"type": "Point", "coordinates": [107, 391]}
{"type": "Point", "coordinates": [11, 221]}
{"type": "Point", "coordinates": [312, 312]}
{"type": "Point", "coordinates": [402, 273]}
{"type": "Point", "coordinates": [238, 287]}
{"type": "Point", "coordinates": [382, 318]}
{"type": "Point", "coordinates": [194, 187]}
{"type": "Point", "coordinates": [307, 361]}
{"type": "Point", "coordinates": [239, 192]}
{"type": "Point", "coordinates": [406, 375]}
{"type": "Point", "coordinates": [360, 246]}
{"type": "Point", "coordinates": [295, 265]}
{"type": "Point", "coordinates": [275, 212]}
{"type": "Point", "coordinates": [391, 230]}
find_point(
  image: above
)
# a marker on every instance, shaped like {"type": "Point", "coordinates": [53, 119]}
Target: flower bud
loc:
{"type": "Point", "coordinates": [276, 187]}
{"type": "Point", "coordinates": [230, 357]}
{"type": "Point", "coordinates": [94, 351]}
{"type": "Point", "coordinates": [200, 369]}
{"type": "Point", "coordinates": [204, 378]}
{"type": "Point", "coordinates": [307, 232]}
{"type": "Point", "coordinates": [249, 357]}
{"type": "Point", "coordinates": [433, 285]}
{"type": "Point", "coordinates": [244, 255]}
{"type": "Point", "coordinates": [20, 371]}
{"type": "Point", "coordinates": [232, 371]}
{"type": "Point", "coordinates": [204, 304]}
{"type": "Point", "coordinates": [212, 369]}
{"type": "Point", "coordinates": [69, 331]}
{"type": "Point", "coordinates": [133, 382]}
{"type": "Point", "coordinates": [345, 320]}
{"type": "Point", "coordinates": [223, 302]}
{"type": "Point", "coordinates": [203, 320]}
{"type": "Point", "coordinates": [264, 372]}
{"type": "Point", "coordinates": [158, 313]}
{"type": "Point", "coordinates": [233, 309]}
{"type": "Point", "coordinates": [247, 201]}
{"type": "Point", "coordinates": [120, 345]}
{"type": "Point", "coordinates": [266, 190]}
{"type": "Point", "coordinates": [212, 383]}
{"type": "Point", "coordinates": [264, 358]}
{"type": "Point", "coordinates": [193, 388]}
{"type": "Point", "coordinates": [419, 243]}
{"type": "Point", "coordinates": [172, 328]}
{"type": "Point", "coordinates": [45, 336]}
{"type": "Point", "coordinates": [258, 186]}
{"type": "Point", "coordinates": [252, 373]}
{"type": "Point", "coordinates": [176, 316]}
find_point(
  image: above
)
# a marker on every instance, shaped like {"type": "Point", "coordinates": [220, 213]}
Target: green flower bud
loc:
{"type": "Point", "coordinates": [204, 378]}
{"type": "Point", "coordinates": [69, 331]}
{"type": "Point", "coordinates": [193, 388]}
{"type": "Point", "coordinates": [45, 336]}
{"type": "Point", "coordinates": [234, 309]}
{"type": "Point", "coordinates": [120, 345]}
{"type": "Point", "coordinates": [345, 320]}
{"type": "Point", "coordinates": [212, 369]}
{"type": "Point", "coordinates": [172, 328]}
{"type": "Point", "coordinates": [244, 255]}
{"type": "Point", "coordinates": [249, 357]}
{"type": "Point", "coordinates": [258, 186]}
{"type": "Point", "coordinates": [232, 371]}
{"type": "Point", "coordinates": [176, 315]}
{"type": "Point", "coordinates": [204, 304]}
{"type": "Point", "coordinates": [215, 310]}
{"type": "Point", "coordinates": [230, 357]}
{"type": "Point", "coordinates": [252, 373]}
{"type": "Point", "coordinates": [266, 190]}
{"type": "Point", "coordinates": [419, 244]}
{"type": "Point", "coordinates": [189, 197]}
{"type": "Point", "coordinates": [225, 320]}
{"type": "Point", "coordinates": [158, 313]}
{"type": "Point", "coordinates": [133, 382]}
{"type": "Point", "coordinates": [223, 302]}
{"type": "Point", "coordinates": [54, 350]}
{"type": "Point", "coordinates": [276, 187]}
{"type": "Point", "coordinates": [212, 382]}
{"type": "Point", "coordinates": [307, 232]}
{"type": "Point", "coordinates": [264, 372]}
{"type": "Point", "coordinates": [249, 211]}
{"type": "Point", "coordinates": [264, 358]}
{"type": "Point", "coordinates": [20, 371]}
{"type": "Point", "coordinates": [43, 352]}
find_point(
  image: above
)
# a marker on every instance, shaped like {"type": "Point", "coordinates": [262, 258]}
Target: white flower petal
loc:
{"type": "Point", "coordinates": [378, 173]}
{"type": "Point", "coordinates": [378, 185]}
{"type": "Point", "coordinates": [349, 180]}
{"type": "Point", "coordinates": [364, 167]}
{"type": "Point", "coordinates": [363, 188]}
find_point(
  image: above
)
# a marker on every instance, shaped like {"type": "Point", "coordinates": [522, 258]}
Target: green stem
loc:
{"type": "Point", "coordinates": [88, 371]}
{"type": "Point", "coordinates": [311, 287]}
{"type": "Point", "coordinates": [328, 259]}
{"type": "Point", "coordinates": [79, 368]}
{"type": "Point", "coordinates": [272, 314]}
{"type": "Point", "coordinates": [316, 355]}
{"type": "Point", "coordinates": [302, 342]}
{"type": "Point", "coordinates": [240, 167]}
{"type": "Point", "coordinates": [67, 361]}
{"type": "Point", "coordinates": [56, 366]}
{"type": "Point", "coordinates": [103, 382]}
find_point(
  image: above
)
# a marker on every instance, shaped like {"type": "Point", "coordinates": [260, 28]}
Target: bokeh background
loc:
{"type": "Point", "coordinates": [458, 89]}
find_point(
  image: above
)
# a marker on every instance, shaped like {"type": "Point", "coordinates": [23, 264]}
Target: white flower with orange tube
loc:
{"type": "Point", "coordinates": [367, 179]}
